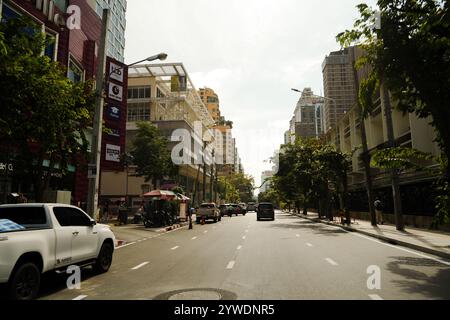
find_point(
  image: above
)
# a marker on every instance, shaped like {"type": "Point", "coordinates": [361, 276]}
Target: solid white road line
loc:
{"type": "Point", "coordinates": [331, 261]}
{"type": "Point", "coordinates": [175, 248]}
{"type": "Point", "coordinates": [140, 266]}
{"type": "Point", "coordinates": [80, 297]}
{"type": "Point", "coordinates": [398, 248]}
{"type": "Point", "coordinates": [239, 247]}
{"type": "Point", "coordinates": [231, 265]}
{"type": "Point", "coordinates": [375, 297]}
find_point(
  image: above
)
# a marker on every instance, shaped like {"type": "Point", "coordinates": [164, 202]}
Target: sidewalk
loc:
{"type": "Point", "coordinates": [427, 241]}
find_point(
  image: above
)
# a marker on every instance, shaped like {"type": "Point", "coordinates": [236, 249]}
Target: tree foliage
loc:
{"type": "Point", "coordinates": [151, 154]}
{"type": "Point", "coordinates": [236, 188]}
{"type": "Point", "coordinates": [310, 172]}
{"type": "Point", "coordinates": [44, 114]}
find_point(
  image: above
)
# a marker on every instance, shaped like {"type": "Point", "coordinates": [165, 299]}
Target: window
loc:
{"type": "Point", "coordinates": [138, 112]}
{"type": "Point", "coordinates": [50, 46]}
{"type": "Point", "coordinates": [71, 217]}
{"type": "Point", "coordinates": [28, 217]}
{"type": "Point", "coordinates": [139, 92]}
{"type": "Point", "coordinates": [75, 72]}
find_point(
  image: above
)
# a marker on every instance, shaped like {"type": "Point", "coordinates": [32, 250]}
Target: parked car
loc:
{"type": "Point", "coordinates": [265, 210]}
{"type": "Point", "coordinates": [223, 208]}
{"type": "Point", "coordinates": [208, 211]}
{"type": "Point", "coordinates": [38, 238]}
{"type": "Point", "coordinates": [251, 206]}
{"type": "Point", "coordinates": [237, 210]}
{"type": "Point", "coordinates": [243, 207]}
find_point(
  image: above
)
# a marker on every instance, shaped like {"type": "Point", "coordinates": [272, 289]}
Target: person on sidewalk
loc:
{"type": "Point", "coordinates": [379, 210]}
{"type": "Point", "coordinates": [123, 212]}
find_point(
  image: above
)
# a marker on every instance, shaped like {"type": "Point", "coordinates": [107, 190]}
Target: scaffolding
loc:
{"type": "Point", "coordinates": [176, 92]}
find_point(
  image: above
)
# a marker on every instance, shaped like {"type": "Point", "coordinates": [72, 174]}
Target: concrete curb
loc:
{"type": "Point", "coordinates": [173, 227]}
{"type": "Point", "coordinates": [382, 238]}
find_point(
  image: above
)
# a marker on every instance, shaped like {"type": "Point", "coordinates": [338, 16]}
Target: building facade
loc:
{"type": "Point", "coordinates": [163, 95]}
{"type": "Point", "coordinates": [117, 25]}
{"type": "Point", "coordinates": [339, 87]}
{"type": "Point", "coordinates": [410, 132]}
{"type": "Point", "coordinates": [76, 49]}
{"type": "Point", "coordinates": [211, 101]}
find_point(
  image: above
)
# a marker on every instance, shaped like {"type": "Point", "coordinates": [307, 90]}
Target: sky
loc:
{"type": "Point", "coordinates": [250, 52]}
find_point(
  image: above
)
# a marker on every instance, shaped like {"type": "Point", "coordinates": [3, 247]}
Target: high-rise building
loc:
{"type": "Point", "coordinates": [211, 101]}
{"type": "Point", "coordinates": [339, 86]}
{"type": "Point", "coordinates": [308, 115]}
{"type": "Point", "coordinates": [117, 25]}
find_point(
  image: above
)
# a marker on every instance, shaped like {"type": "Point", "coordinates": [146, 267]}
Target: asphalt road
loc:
{"type": "Point", "coordinates": [289, 259]}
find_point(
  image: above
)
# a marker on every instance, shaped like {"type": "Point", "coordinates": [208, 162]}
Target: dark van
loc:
{"type": "Point", "coordinates": [265, 210]}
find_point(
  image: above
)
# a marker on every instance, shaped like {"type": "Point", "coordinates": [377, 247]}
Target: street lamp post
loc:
{"type": "Point", "coordinates": [94, 166]}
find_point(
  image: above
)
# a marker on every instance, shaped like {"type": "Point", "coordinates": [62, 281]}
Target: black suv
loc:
{"type": "Point", "coordinates": [265, 210]}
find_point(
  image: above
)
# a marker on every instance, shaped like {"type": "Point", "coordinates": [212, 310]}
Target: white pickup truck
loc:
{"type": "Point", "coordinates": [208, 211]}
{"type": "Point", "coordinates": [37, 238]}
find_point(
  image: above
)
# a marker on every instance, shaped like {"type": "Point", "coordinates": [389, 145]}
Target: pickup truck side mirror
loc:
{"type": "Point", "coordinates": [92, 223]}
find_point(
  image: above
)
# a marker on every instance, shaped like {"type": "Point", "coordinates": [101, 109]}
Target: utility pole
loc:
{"type": "Point", "coordinates": [395, 179]}
{"type": "Point", "coordinates": [211, 180]}
{"type": "Point", "coordinates": [204, 174]}
{"type": "Point", "coordinates": [96, 147]}
{"type": "Point", "coordinates": [1, 9]}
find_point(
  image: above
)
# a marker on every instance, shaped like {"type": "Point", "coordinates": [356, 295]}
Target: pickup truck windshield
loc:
{"type": "Point", "coordinates": [28, 217]}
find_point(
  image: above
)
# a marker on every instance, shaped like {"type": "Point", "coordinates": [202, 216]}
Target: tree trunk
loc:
{"type": "Point", "coordinates": [386, 100]}
{"type": "Point", "coordinates": [365, 154]}
{"type": "Point", "coordinates": [345, 198]}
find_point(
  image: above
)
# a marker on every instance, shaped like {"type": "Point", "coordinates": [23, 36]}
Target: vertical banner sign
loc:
{"type": "Point", "coordinates": [115, 115]}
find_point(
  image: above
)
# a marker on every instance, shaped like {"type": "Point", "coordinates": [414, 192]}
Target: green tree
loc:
{"type": "Point", "coordinates": [410, 55]}
{"type": "Point", "coordinates": [308, 171]}
{"type": "Point", "coordinates": [151, 154]}
{"type": "Point", "coordinates": [44, 114]}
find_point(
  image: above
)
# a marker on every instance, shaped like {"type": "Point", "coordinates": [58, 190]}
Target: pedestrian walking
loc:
{"type": "Point", "coordinates": [191, 212]}
{"type": "Point", "coordinates": [379, 210]}
{"type": "Point", "coordinates": [105, 213]}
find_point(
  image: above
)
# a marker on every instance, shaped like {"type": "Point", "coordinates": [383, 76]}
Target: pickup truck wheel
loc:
{"type": "Point", "coordinates": [25, 282]}
{"type": "Point", "coordinates": [104, 259]}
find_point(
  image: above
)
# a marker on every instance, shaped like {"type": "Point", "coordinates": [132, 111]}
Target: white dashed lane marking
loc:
{"type": "Point", "coordinates": [239, 247]}
{"type": "Point", "coordinates": [140, 265]}
{"type": "Point", "coordinates": [331, 261]}
{"type": "Point", "coordinates": [231, 265]}
{"type": "Point", "coordinates": [80, 297]}
{"type": "Point", "coordinates": [375, 297]}
{"type": "Point", "coordinates": [175, 248]}
{"type": "Point", "coordinates": [309, 245]}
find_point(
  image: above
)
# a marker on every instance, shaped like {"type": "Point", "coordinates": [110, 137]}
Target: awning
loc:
{"type": "Point", "coordinates": [162, 194]}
